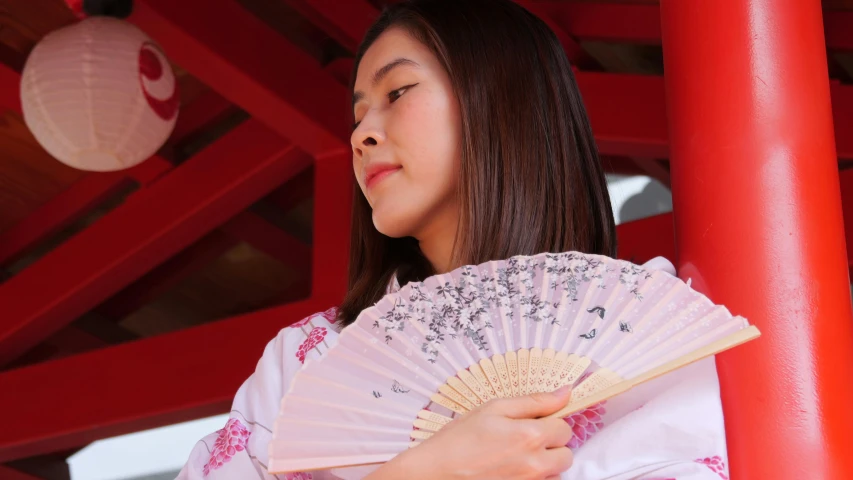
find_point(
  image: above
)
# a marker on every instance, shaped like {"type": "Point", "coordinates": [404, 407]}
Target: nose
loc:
{"type": "Point", "coordinates": [369, 134]}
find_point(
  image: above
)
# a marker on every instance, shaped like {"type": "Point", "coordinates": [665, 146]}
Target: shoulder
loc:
{"type": "Point", "coordinates": [284, 355]}
{"type": "Point", "coordinates": [239, 449]}
{"type": "Point", "coordinates": [308, 337]}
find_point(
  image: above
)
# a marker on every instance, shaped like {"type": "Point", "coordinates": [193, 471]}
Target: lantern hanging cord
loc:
{"type": "Point", "coordinates": [108, 8]}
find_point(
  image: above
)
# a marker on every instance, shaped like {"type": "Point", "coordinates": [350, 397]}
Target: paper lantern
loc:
{"type": "Point", "coordinates": [99, 95]}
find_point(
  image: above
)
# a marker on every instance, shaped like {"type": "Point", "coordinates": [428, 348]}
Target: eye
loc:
{"type": "Point", "coordinates": [392, 97]}
{"type": "Point", "coordinates": [395, 94]}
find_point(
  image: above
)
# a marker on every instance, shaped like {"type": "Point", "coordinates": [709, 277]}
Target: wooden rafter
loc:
{"type": "Point", "coordinates": [256, 69]}
{"type": "Point", "coordinates": [148, 228]}
{"type": "Point", "coordinates": [144, 384]}
{"type": "Point", "coordinates": [640, 23]}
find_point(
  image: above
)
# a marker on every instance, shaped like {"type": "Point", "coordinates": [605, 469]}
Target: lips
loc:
{"type": "Point", "coordinates": [373, 174]}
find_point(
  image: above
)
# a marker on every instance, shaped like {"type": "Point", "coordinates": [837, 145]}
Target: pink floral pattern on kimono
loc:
{"type": "Point", "coordinates": [230, 440]}
{"type": "Point", "coordinates": [298, 476]}
{"type": "Point", "coordinates": [329, 315]}
{"type": "Point", "coordinates": [716, 465]}
{"type": "Point", "coordinates": [585, 424]}
{"type": "Point", "coordinates": [314, 338]}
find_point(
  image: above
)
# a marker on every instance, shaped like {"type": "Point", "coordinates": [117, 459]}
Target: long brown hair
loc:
{"type": "Point", "coordinates": [530, 178]}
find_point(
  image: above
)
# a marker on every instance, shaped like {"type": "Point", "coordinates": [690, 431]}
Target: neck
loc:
{"type": "Point", "coordinates": [436, 243]}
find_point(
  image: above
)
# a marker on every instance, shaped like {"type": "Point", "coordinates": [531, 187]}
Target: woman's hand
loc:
{"type": "Point", "coordinates": [502, 439]}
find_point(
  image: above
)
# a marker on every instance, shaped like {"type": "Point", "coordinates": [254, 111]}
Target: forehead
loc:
{"type": "Point", "coordinates": [393, 44]}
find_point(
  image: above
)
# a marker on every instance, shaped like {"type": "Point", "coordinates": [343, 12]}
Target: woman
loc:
{"type": "Point", "coordinates": [471, 143]}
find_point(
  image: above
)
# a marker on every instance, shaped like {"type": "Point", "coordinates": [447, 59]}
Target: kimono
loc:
{"type": "Point", "coordinates": [670, 428]}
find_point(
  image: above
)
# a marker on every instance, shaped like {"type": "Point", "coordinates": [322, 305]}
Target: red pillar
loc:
{"type": "Point", "coordinates": [759, 225]}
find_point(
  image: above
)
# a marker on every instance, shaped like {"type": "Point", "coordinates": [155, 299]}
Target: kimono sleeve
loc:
{"type": "Point", "coordinates": [676, 433]}
{"type": "Point", "coordinates": [239, 449]}
{"type": "Point", "coordinates": [670, 428]}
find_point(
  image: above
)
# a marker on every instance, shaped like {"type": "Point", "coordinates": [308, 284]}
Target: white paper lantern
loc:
{"type": "Point", "coordinates": [99, 95]}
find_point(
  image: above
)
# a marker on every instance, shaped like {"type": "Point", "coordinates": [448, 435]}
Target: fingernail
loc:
{"type": "Point", "coordinates": [561, 391]}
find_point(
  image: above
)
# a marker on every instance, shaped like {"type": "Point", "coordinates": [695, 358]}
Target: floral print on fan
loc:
{"type": "Point", "coordinates": [630, 277]}
{"type": "Point", "coordinates": [230, 440]}
{"type": "Point", "coordinates": [716, 465]}
{"type": "Point", "coordinates": [466, 307]}
{"type": "Point", "coordinates": [585, 424]}
{"type": "Point", "coordinates": [314, 338]}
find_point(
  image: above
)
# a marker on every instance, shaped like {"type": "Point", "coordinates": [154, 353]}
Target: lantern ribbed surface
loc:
{"type": "Point", "coordinates": [99, 95]}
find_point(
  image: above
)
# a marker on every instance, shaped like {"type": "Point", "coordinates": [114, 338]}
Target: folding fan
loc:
{"type": "Point", "coordinates": [439, 348]}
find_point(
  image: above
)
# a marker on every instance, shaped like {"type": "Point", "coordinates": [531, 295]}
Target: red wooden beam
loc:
{"type": "Point", "coordinates": [620, 165]}
{"type": "Point", "coordinates": [838, 28]}
{"type": "Point", "coordinates": [842, 118]}
{"type": "Point", "coordinates": [295, 191]}
{"type": "Point", "coordinates": [166, 275]}
{"type": "Point", "coordinates": [654, 168]}
{"type": "Point", "coordinates": [846, 181]}
{"type": "Point", "coordinates": [246, 226]}
{"type": "Point", "coordinates": [627, 113]}
{"type": "Point", "coordinates": [9, 473]}
{"type": "Point", "coordinates": [576, 54]}
{"type": "Point", "coordinates": [633, 23]}
{"type": "Point", "coordinates": [642, 240]}
{"type": "Point", "coordinates": [151, 226]}
{"type": "Point", "coordinates": [333, 182]}
{"type": "Point", "coordinates": [10, 88]}
{"type": "Point", "coordinates": [153, 382]}
{"type": "Point", "coordinates": [270, 240]}
{"type": "Point", "coordinates": [68, 341]}
{"type": "Point", "coordinates": [70, 205]}
{"type": "Point", "coordinates": [346, 22]}
{"type": "Point", "coordinates": [120, 391]}
{"type": "Point", "coordinates": [640, 23]}
{"type": "Point", "coordinates": [252, 66]}
{"type": "Point", "coordinates": [205, 110]}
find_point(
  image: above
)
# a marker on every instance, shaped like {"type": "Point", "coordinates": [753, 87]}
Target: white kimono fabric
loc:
{"type": "Point", "coordinates": [670, 428]}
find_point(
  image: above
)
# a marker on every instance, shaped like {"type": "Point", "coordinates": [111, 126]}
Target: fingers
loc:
{"type": "Point", "coordinates": [556, 461]}
{"type": "Point", "coordinates": [557, 432]}
{"type": "Point", "coordinates": [544, 432]}
{"type": "Point", "coordinates": [534, 405]}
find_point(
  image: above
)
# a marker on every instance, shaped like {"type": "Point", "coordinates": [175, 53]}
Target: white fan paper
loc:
{"type": "Point", "coordinates": [439, 348]}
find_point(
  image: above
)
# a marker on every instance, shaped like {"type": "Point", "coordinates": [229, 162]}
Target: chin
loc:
{"type": "Point", "coordinates": [394, 224]}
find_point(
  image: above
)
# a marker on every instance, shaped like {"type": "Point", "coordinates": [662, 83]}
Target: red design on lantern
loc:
{"type": "Point", "coordinates": [151, 70]}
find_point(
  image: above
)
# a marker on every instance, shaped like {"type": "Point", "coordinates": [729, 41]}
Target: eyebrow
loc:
{"type": "Point", "coordinates": [382, 73]}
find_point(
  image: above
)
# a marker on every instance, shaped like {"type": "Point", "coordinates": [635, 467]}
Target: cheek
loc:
{"type": "Point", "coordinates": [429, 134]}
{"type": "Point", "coordinates": [357, 168]}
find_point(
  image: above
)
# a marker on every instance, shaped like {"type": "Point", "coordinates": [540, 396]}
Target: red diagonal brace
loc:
{"type": "Point", "coordinates": [346, 22]}
{"type": "Point", "coordinates": [148, 383]}
{"type": "Point", "coordinates": [255, 68]}
{"type": "Point", "coordinates": [150, 227]}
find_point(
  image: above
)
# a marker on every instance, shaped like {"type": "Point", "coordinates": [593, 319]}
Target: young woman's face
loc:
{"type": "Point", "coordinates": [407, 141]}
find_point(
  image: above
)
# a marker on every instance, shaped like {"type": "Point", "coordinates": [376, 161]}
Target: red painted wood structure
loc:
{"type": "Point", "coordinates": [752, 127]}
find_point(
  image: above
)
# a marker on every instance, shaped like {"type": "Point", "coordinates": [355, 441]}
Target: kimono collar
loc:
{"type": "Point", "coordinates": [393, 285]}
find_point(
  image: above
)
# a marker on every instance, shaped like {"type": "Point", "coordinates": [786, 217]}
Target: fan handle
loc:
{"type": "Point", "coordinates": [725, 343]}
